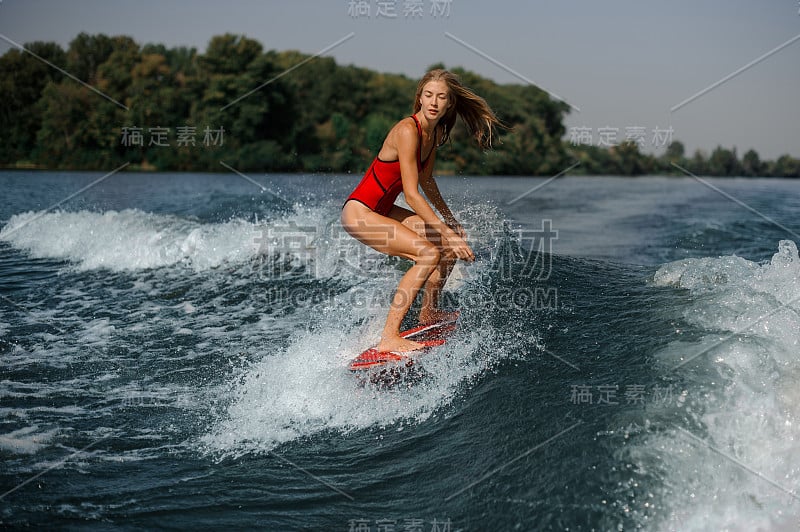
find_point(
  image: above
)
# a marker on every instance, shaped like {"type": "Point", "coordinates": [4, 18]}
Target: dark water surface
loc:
{"type": "Point", "coordinates": [174, 349]}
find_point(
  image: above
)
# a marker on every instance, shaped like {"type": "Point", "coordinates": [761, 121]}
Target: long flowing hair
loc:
{"type": "Point", "coordinates": [473, 110]}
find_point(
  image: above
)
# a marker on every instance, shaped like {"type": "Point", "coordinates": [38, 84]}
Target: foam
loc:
{"type": "Point", "coordinates": [129, 239]}
{"type": "Point", "coordinates": [307, 240]}
{"type": "Point", "coordinates": [305, 389]}
{"type": "Point", "coordinates": [27, 440]}
{"type": "Point", "coordinates": [745, 399]}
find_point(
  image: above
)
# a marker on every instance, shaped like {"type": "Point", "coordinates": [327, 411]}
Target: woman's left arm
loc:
{"type": "Point", "coordinates": [431, 190]}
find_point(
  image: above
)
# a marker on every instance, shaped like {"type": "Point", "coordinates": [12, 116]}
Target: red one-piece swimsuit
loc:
{"type": "Point", "coordinates": [382, 183]}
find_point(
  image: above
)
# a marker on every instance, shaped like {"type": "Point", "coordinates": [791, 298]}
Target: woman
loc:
{"type": "Point", "coordinates": [405, 164]}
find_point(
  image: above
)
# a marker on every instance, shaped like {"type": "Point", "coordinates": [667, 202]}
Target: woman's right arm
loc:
{"type": "Point", "coordinates": [407, 141]}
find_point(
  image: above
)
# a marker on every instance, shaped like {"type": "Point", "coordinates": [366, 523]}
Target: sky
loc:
{"type": "Point", "coordinates": [624, 65]}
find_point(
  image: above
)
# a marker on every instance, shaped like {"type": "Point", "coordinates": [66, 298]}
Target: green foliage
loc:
{"type": "Point", "coordinates": [280, 111]}
{"type": "Point", "coordinates": [675, 152]}
{"type": "Point", "coordinates": [751, 164]}
{"type": "Point", "coordinates": [626, 160]}
{"type": "Point", "coordinates": [784, 166]}
{"type": "Point", "coordinates": [23, 78]}
{"type": "Point", "coordinates": [86, 53]}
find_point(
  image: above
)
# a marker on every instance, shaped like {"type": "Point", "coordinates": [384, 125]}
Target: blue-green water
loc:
{"type": "Point", "coordinates": [174, 349]}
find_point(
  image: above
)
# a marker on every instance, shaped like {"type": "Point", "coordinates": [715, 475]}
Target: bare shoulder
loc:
{"type": "Point", "coordinates": [402, 135]}
{"type": "Point", "coordinates": [404, 130]}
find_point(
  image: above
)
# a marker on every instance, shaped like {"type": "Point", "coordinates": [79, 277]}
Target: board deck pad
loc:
{"type": "Point", "coordinates": [432, 334]}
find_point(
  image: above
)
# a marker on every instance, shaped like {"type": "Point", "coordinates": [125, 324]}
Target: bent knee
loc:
{"type": "Point", "coordinates": [429, 255]}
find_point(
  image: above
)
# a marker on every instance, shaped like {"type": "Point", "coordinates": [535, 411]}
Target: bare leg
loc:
{"type": "Point", "coordinates": [407, 289]}
{"type": "Point", "coordinates": [432, 288]}
{"type": "Point", "coordinates": [430, 311]}
{"type": "Point", "coordinates": [390, 236]}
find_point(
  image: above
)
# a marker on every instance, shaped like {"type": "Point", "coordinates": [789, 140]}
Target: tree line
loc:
{"type": "Point", "coordinates": [176, 109]}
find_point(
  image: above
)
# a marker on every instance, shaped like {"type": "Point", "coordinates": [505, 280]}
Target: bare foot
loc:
{"type": "Point", "coordinates": [398, 345]}
{"type": "Point", "coordinates": [436, 316]}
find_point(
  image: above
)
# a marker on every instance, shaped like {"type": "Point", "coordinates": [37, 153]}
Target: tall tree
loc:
{"type": "Point", "coordinates": [723, 162]}
{"type": "Point", "coordinates": [86, 53]}
{"type": "Point", "coordinates": [23, 78]}
{"type": "Point", "coordinates": [751, 164]}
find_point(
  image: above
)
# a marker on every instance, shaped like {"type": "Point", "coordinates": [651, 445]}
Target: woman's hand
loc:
{"type": "Point", "coordinates": [459, 246]}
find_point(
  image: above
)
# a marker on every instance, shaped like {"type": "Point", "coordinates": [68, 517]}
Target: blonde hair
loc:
{"type": "Point", "coordinates": [473, 110]}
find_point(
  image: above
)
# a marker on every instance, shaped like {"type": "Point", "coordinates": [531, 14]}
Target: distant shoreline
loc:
{"type": "Point", "coordinates": [192, 111]}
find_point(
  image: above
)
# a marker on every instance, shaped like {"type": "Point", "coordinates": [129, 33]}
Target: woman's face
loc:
{"type": "Point", "coordinates": [435, 99]}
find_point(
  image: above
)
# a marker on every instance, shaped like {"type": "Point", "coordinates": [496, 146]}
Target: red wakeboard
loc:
{"type": "Point", "coordinates": [431, 334]}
